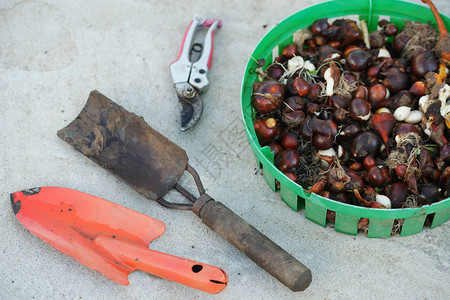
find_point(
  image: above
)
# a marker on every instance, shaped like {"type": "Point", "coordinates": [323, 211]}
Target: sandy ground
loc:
{"type": "Point", "coordinates": [53, 53]}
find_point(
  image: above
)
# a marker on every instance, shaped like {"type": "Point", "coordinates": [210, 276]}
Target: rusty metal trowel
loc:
{"type": "Point", "coordinates": [151, 164]}
{"type": "Point", "coordinates": [107, 237]}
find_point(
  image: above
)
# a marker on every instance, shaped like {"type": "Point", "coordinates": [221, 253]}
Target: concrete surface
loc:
{"type": "Point", "coordinates": [52, 53]}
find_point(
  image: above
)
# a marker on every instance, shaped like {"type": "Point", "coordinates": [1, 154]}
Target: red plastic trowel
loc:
{"type": "Point", "coordinates": [107, 237]}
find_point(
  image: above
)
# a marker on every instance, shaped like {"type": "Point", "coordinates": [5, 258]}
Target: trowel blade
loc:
{"type": "Point", "coordinates": [70, 221]}
{"type": "Point", "coordinates": [125, 145]}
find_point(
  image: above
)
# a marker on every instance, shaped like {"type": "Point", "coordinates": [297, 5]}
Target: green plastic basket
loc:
{"type": "Point", "coordinates": [347, 216]}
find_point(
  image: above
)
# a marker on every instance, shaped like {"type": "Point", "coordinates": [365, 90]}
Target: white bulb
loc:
{"type": "Point", "coordinates": [387, 94]}
{"type": "Point", "coordinates": [327, 152]}
{"type": "Point", "coordinates": [414, 117]}
{"type": "Point", "coordinates": [295, 62]}
{"type": "Point", "coordinates": [401, 113]}
{"type": "Point", "coordinates": [444, 93]}
{"type": "Point", "coordinates": [327, 74]}
{"type": "Point", "coordinates": [330, 82]}
{"type": "Point", "coordinates": [383, 53]}
{"type": "Point", "coordinates": [383, 200]}
{"type": "Point", "coordinates": [341, 152]}
{"type": "Point", "coordinates": [423, 103]}
{"type": "Point", "coordinates": [335, 56]}
{"type": "Point", "coordinates": [309, 66]}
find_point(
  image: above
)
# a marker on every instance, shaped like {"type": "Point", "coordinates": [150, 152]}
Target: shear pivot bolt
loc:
{"type": "Point", "coordinates": [188, 92]}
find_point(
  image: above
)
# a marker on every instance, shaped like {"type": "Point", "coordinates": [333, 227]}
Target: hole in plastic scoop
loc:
{"type": "Point", "coordinates": [197, 268]}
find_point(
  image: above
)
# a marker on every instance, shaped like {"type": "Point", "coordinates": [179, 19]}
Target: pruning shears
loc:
{"type": "Point", "coordinates": [190, 69]}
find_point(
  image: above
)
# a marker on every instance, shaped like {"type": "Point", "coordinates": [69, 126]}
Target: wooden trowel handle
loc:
{"type": "Point", "coordinates": [133, 257]}
{"type": "Point", "coordinates": [255, 245]}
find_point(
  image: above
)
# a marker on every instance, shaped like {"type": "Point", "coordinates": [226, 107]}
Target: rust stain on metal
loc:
{"type": "Point", "coordinates": [128, 147]}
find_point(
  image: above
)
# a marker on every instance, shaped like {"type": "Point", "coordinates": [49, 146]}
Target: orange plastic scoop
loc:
{"type": "Point", "coordinates": [107, 237]}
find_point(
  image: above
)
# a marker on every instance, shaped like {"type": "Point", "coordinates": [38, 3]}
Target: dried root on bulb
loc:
{"type": "Point", "coordinates": [396, 158]}
{"type": "Point", "coordinates": [397, 227]}
{"type": "Point", "coordinates": [422, 36]}
{"type": "Point", "coordinates": [337, 171]}
{"type": "Point", "coordinates": [401, 157]}
{"type": "Point", "coordinates": [300, 36]}
{"type": "Point", "coordinates": [344, 88]}
{"type": "Point", "coordinates": [259, 70]}
{"type": "Point", "coordinates": [310, 170]}
{"type": "Point", "coordinates": [410, 202]}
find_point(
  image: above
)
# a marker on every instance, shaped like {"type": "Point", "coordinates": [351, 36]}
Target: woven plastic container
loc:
{"type": "Point", "coordinates": [347, 216]}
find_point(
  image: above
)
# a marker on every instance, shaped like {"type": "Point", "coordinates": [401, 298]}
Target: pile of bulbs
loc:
{"type": "Point", "coordinates": [360, 118]}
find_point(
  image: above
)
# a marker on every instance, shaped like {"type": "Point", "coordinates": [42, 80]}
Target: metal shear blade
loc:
{"type": "Point", "coordinates": [191, 105]}
{"type": "Point", "coordinates": [190, 78]}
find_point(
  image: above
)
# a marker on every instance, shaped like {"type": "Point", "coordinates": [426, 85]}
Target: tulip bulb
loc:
{"type": "Point", "coordinates": [382, 110]}
{"type": "Point", "coordinates": [415, 116]}
{"type": "Point", "coordinates": [328, 152]}
{"type": "Point", "coordinates": [424, 103]}
{"type": "Point", "coordinates": [295, 63]}
{"type": "Point", "coordinates": [309, 66]}
{"type": "Point", "coordinates": [383, 200]}
{"type": "Point", "coordinates": [444, 93]}
{"type": "Point", "coordinates": [402, 113]}
{"type": "Point", "coordinates": [330, 82]}
{"type": "Point", "coordinates": [341, 152]}
{"type": "Point", "coordinates": [384, 53]}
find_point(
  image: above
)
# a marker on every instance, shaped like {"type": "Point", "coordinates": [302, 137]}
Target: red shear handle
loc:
{"type": "Point", "coordinates": [208, 47]}
{"type": "Point", "coordinates": [208, 64]}
{"type": "Point", "coordinates": [200, 276]}
{"type": "Point", "coordinates": [255, 245]}
{"type": "Point", "coordinates": [187, 35]}
{"type": "Point", "coordinates": [209, 23]}
{"type": "Point", "coordinates": [200, 69]}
